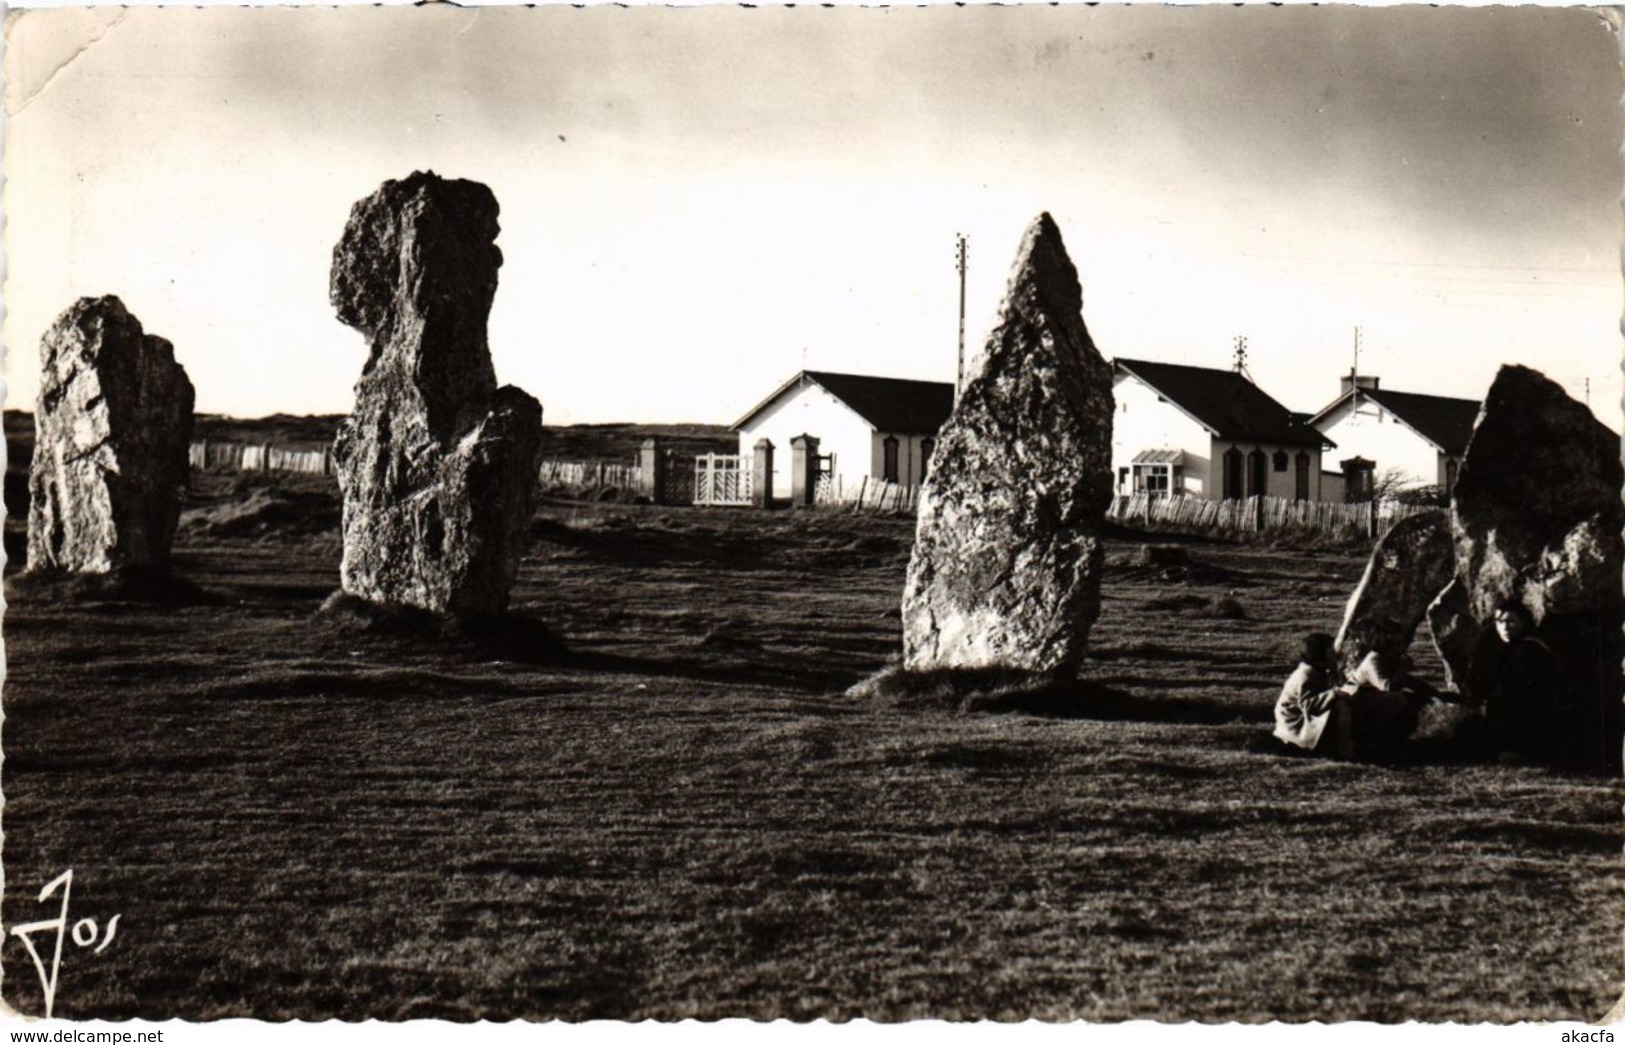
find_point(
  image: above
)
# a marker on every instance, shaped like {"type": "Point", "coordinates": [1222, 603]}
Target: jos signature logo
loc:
{"type": "Point", "coordinates": [85, 933]}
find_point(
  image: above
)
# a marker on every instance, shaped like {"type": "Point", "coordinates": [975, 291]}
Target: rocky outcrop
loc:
{"type": "Point", "coordinates": [1006, 565]}
{"type": "Point", "coordinates": [437, 465]}
{"type": "Point", "coordinates": [1408, 569]}
{"type": "Point", "coordinates": [1537, 515]}
{"type": "Point", "coordinates": [112, 427]}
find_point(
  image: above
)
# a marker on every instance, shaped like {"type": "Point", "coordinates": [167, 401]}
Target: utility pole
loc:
{"type": "Point", "coordinates": [1354, 374]}
{"type": "Point", "coordinates": [962, 257]}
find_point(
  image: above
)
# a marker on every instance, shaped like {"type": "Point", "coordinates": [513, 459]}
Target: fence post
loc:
{"type": "Point", "coordinates": [761, 487]}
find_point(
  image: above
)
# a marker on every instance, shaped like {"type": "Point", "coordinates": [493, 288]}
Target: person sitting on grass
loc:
{"type": "Point", "coordinates": [1303, 712]}
{"type": "Point", "coordinates": [1388, 698]}
{"type": "Point", "coordinates": [1520, 681]}
{"type": "Point", "coordinates": [1369, 717]}
{"type": "Point", "coordinates": [1391, 674]}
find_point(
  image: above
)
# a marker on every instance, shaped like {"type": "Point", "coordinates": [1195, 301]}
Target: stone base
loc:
{"type": "Point", "coordinates": [508, 635]}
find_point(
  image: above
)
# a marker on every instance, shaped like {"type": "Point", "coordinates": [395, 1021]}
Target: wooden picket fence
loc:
{"type": "Point", "coordinates": [591, 474]}
{"type": "Point", "coordinates": [217, 455]}
{"type": "Point", "coordinates": [1259, 515]}
{"type": "Point", "coordinates": [880, 495]}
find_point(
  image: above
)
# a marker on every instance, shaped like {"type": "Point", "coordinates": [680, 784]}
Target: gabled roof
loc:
{"type": "Point", "coordinates": [888, 404]}
{"type": "Point", "coordinates": [1445, 422]}
{"type": "Point", "coordinates": [1224, 402]}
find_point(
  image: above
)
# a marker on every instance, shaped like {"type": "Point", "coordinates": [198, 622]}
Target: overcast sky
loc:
{"type": "Point", "coordinates": [695, 202]}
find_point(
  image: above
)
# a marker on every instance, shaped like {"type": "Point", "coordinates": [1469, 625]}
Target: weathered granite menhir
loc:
{"type": "Point", "coordinates": [1007, 558]}
{"type": "Point", "coordinates": [112, 427]}
{"type": "Point", "coordinates": [437, 465]}
{"type": "Point", "coordinates": [1537, 516]}
{"type": "Point", "coordinates": [1410, 565]}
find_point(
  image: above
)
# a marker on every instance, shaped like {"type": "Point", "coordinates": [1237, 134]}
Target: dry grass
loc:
{"type": "Point", "coordinates": [684, 815]}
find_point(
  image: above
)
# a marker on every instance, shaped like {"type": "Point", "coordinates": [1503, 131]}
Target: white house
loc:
{"type": "Point", "coordinates": [866, 427]}
{"type": "Point", "coordinates": [1419, 438]}
{"type": "Point", "coordinates": [1187, 430]}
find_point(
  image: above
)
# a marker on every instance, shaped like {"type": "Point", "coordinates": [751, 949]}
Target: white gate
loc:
{"type": "Point", "coordinates": [722, 479]}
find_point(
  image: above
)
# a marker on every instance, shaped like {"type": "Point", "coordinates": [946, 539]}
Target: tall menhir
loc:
{"type": "Point", "coordinates": [1007, 559]}
{"type": "Point", "coordinates": [437, 465]}
{"type": "Point", "coordinates": [112, 427]}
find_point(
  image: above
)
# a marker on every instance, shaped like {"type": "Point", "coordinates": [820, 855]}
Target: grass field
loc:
{"type": "Point", "coordinates": [684, 816]}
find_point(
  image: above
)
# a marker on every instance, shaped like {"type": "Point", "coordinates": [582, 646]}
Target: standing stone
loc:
{"type": "Point", "coordinates": [437, 465]}
{"type": "Point", "coordinates": [1007, 558]}
{"type": "Point", "coordinates": [1408, 569]}
{"type": "Point", "coordinates": [1537, 516]}
{"type": "Point", "coordinates": [113, 426]}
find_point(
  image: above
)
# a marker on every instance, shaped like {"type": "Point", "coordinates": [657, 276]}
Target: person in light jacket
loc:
{"type": "Point", "coordinates": [1368, 716]}
{"type": "Point", "coordinates": [1309, 700]}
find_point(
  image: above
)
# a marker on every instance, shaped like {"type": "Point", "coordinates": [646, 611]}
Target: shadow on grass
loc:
{"type": "Point", "coordinates": [149, 587]}
{"type": "Point", "coordinates": [510, 636]}
{"type": "Point", "coordinates": [1216, 607]}
{"type": "Point", "coordinates": [998, 691]}
{"type": "Point", "coordinates": [654, 543]}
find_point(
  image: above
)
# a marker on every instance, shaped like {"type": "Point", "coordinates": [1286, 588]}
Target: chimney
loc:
{"type": "Point", "coordinates": [1364, 382]}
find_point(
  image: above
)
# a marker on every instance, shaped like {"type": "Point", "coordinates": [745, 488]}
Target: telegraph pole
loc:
{"type": "Point", "coordinates": [962, 256]}
{"type": "Point", "coordinates": [1354, 375]}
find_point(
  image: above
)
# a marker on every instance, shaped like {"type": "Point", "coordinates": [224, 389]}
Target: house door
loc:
{"type": "Point", "coordinates": [1302, 492]}
{"type": "Point", "coordinates": [1232, 474]}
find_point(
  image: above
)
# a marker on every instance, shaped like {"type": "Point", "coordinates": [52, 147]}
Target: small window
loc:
{"type": "Point", "coordinates": [890, 459]}
{"type": "Point", "coordinates": [1153, 478]}
{"type": "Point", "coordinates": [1280, 460]}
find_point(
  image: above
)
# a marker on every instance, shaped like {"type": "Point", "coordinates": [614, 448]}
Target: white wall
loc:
{"type": "Point", "coordinates": [1144, 421]}
{"type": "Point", "coordinates": [1276, 484]}
{"type": "Point", "coordinates": [1373, 433]}
{"type": "Point", "coordinates": [910, 452]}
{"type": "Point", "coordinates": [813, 411]}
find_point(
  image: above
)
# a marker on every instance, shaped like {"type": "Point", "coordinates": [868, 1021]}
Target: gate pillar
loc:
{"type": "Point", "coordinates": [803, 470]}
{"type": "Point", "coordinates": [651, 473]}
{"type": "Point", "coordinates": [761, 476]}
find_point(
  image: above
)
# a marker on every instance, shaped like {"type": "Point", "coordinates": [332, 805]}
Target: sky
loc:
{"type": "Point", "coordinates": [697, 203]}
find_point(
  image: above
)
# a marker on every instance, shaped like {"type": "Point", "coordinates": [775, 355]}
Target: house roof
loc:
{"type": "Point", "coordinates": [1224, 402]}
{"type": "Point", "coordinates": [1445, 422]}
{"type": "Point", "coordinates": [888, 404]}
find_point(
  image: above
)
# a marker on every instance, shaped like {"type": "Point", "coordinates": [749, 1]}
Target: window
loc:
{"type": "Point", "coordinates": [1152, 478]}
{"type": "Point", "coordinates": [1258, 475]}
{"type": "Point", "coordinates": [1303, 475]}
{"type": "Point", "coordinates": [1122, 480]}
{"type": "Point", "coordinates": [1280, 460]}
{"type": "Point", "coordinates": [1450, 476]}
{"type": "Point", "coordinates": [1232, 473]}
{"type": "Point", "coordinates": [889, 466]}
{"type": "Point", "coordinates": [926, 446]}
